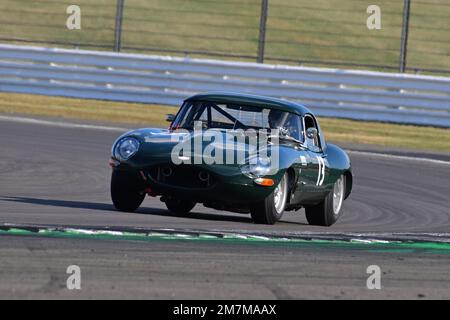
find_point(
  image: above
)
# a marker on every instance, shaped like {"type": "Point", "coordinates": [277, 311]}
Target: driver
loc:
{"type": "Point", "coordinates": [275, 118]}
{"type": "Point", "coordinates": [286, 122]}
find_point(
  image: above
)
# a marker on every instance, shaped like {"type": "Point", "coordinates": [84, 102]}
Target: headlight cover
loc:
{"type": "Point", "coordinates": [256, 167]}
{"type": "Point", "coordinates": [126, 148]}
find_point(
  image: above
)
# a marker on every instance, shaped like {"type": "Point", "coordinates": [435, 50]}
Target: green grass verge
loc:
{"type": "Point", "coordinates": [94, 110]}
{"type": "Point", "coordinates": [325, 30]}
{"type": "Point", "coordinates": [133, 114]}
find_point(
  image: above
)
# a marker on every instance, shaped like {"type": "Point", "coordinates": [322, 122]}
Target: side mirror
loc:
{"type": "Point", "coordinates": [312, 139]}
{"type": "Point", "coordinates": [312, 133]}
{"type": "Point", "coordinates": [170, 117]}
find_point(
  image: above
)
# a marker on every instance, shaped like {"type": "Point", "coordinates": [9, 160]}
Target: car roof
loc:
{"type": "Point", "coordinates": [252, 100]}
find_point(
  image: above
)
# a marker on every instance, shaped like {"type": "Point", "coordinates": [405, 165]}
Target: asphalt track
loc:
{"type": "Point", "coordinates": [52, 175]}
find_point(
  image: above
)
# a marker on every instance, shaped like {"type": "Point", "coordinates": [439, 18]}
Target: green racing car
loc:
{"type": "Point", "coordinates": [235, 152]}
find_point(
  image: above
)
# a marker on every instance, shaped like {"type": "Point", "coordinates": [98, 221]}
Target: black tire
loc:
{"type": "Point", "coordinates": [125, 191]}
{"type": "Point", "coordinates": [179, 207]}
{"type": "Point", "coordinates": [265, 212]}
{"type": "Point", "coordinates": [324, 213]}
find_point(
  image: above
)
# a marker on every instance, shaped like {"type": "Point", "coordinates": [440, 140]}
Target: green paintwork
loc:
{"type": "Point", "coordinates": [232, 187]}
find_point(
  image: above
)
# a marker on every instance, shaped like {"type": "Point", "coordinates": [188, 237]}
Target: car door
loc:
{"type": "Point", "coordinates": [318, 167]}
{"type": "Point", "coordinates": [304, 164]}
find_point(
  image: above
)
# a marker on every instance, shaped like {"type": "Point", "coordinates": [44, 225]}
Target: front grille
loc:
{"type": "Point", "coordinates": [182, 176]}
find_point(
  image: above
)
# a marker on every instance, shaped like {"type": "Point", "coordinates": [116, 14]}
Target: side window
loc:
{"type": "Point", "coordinates": [293, 125]}
{"type": "Point", "coordinates": [312, 143]}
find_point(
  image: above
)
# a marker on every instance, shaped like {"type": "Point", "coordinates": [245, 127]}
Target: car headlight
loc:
{"type": "Point", "coordinates": [125, 148]}
{"type": "Point", "coordinates": [257, 167]}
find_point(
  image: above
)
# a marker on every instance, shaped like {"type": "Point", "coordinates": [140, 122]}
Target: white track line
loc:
{"type": "Point", "coordinates": [397, 157]}
{"type": "Point", "coordinates": [62, 124]}
{"type": "Point", "coordinates": [119, 129]}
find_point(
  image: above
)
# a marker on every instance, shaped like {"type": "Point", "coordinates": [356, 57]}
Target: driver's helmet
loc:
{"type": "Point", "coordinates": [275, 118]}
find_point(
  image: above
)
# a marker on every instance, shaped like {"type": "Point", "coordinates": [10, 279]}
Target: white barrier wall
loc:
{"type": "Point", "coordinates": [401, 98]}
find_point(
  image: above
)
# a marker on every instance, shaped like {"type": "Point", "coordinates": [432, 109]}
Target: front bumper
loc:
{"type": "Point", "coordinates": [226, 185]}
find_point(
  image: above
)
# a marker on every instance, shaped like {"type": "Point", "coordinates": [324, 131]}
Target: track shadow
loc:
{"type": "Point", "coordinates": [61, 203]}
{"type": "Point", "coordinates": [200, 216]}
{"type": "Point", "coordinates": [110, 208]}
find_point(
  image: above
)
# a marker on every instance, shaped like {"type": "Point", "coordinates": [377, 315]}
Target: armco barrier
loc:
{"type": "Point", "coordinates": [401, 98]}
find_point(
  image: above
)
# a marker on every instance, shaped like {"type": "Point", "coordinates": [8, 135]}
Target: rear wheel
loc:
{"type": "Point", "coordinates": [178, 206]}
{"type": "Point", "coordinates": [329, 210]}
{"type": "Point", "coordinates": [271, 209]}
{"type": "Point", "coordinates": [125, 193]}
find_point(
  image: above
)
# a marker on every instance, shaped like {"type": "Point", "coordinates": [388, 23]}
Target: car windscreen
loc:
{"type": "Point", "coordinates": [236, 116]}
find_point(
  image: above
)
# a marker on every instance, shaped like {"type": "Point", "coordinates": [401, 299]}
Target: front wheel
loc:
{"type": "Point", "coordinates": [125, 193]}
{"type": "Point", "coordinates": [329, 210]}
{"type": "Point", "coordinates": [271, 209]}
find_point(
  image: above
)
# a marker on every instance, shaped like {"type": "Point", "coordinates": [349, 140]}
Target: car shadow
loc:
{"type": "Point", "coordinates": [60, 203]}
{"type": "Point", "coordinates": [110, 208]}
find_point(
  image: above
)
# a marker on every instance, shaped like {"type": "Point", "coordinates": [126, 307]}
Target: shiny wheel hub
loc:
{"type": "Point", "coordinates": [280, 195]}
{"type": "Point", "coordinates": [338, 195]}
